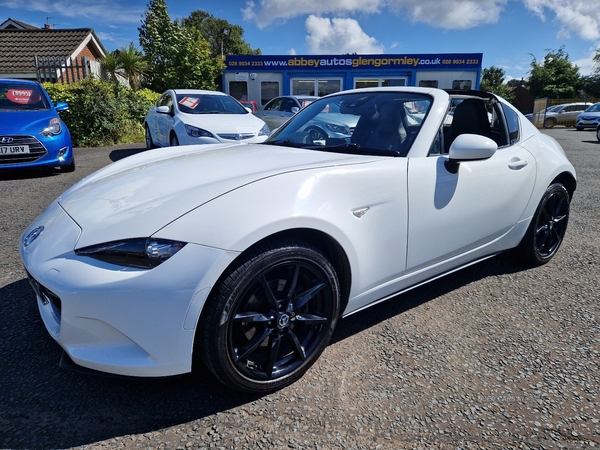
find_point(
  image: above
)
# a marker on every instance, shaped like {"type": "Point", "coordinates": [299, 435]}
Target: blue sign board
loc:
{"type": "Point", "coordinates": [360, 62]}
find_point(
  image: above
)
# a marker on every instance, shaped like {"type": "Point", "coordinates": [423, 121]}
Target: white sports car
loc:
{"type": "Point", "coordinates": [193, 116]}
{"type": "Point", "coordinates": [245, 256]}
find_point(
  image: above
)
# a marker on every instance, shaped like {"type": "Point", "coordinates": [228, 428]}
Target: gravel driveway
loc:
{"type": "Point", "coordinates": [496, 356]}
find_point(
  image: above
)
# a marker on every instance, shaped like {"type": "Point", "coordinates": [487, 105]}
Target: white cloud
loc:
{"type": "Point", "coordinates": [338, 35]}
{"type": "Point", "coordinates": [451, 14]}
{"type": "Point", "coordinates": [271, 11]}
{"type": "Point", "coordinates": [106, 11]}
{"type": "Point", "coordinates": [580, 17]}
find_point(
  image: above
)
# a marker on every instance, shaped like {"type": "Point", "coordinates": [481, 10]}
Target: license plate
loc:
{"type": "Point", "coordinates": [13, 149]}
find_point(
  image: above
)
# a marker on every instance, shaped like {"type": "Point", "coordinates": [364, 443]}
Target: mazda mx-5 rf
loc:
{"type": "Point", "coordinates": [244, 257]}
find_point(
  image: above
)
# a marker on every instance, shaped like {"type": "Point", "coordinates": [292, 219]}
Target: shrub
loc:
{"type": "Point", "coordinates": [102, 113]}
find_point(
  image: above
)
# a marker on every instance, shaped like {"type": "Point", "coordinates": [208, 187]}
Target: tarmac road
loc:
{"type": "Point", "coordinates": [495, 356]}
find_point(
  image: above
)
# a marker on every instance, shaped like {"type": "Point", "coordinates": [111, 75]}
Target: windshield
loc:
{"type": "Point", "coordinates": [380, 123]}
{"type": "Point", "coordinates": [209, 104]}
{"type": "Point", "coordinates": [20, 97]}
{"type": "Point", "coordinates": [594, 108]}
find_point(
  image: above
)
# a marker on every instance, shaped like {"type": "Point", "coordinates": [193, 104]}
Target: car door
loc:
{"type": "Point", "coordinates": [164, 121]}
{"type": "Point", "coordinates": [451, 214]}
{"type": "Point", "coordinates": [271, 113]}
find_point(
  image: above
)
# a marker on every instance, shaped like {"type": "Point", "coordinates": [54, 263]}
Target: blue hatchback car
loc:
{"type": "Point", "coordinates": [32, 135]}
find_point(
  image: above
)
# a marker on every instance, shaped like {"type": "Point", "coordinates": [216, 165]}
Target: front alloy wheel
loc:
{"type": "Point", "coordinates": [271, 318]}
{"type": "Point", "coordinates": [548, 226]}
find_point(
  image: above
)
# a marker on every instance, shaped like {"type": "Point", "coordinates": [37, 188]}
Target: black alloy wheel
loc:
{"type": "Point", "coordinates": [271, 318]}
{"type": "Point", "coordinates": [548, 226]}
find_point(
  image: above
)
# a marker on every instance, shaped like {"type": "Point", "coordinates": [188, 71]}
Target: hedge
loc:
{"type": "Point", "coordinates": [102, 113]}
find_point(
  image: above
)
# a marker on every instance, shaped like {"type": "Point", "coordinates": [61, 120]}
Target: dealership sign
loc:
{"type": "Point", "coordinates": [359, 62]}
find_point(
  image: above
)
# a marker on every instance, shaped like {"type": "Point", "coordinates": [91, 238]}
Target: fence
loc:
{"type": "Point", "coordinates": [55, 69]}
{"type": "Point", "coordinates": [545, 117]}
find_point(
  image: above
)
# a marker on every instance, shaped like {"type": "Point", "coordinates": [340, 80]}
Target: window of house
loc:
{"type": "Point", "coordinates": [268, 91]}
{"type": "Point", "coordinates": [238, 90]}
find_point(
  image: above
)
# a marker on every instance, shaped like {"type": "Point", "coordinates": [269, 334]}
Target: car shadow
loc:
{"type": "Point", "coordinates": [29, 174]}
{"type": "Point", "coordinates": [45, 406]}
{"type": "Point", "coordinates": [121, 153]}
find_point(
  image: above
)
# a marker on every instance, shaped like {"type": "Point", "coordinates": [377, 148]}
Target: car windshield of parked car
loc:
{"type": "Point", "coordinates": [209, 104]}
{"type": "Point", "coordinates": [19, 97]}
{"type": "Point", "coordinates": [594, 108]}
{"type": "Point", "coordinates": [373, 123]}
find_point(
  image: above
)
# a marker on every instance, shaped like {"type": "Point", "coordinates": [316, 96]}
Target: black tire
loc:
{"type": "Point", "coordinates": [579, 128]}
{"type": "Point", "coordinates": [173, 141]}
{"type": "Point", "coordinates": [69, 167]}
{"type": "Point", "coordinates": [271, 317]}
{"type": "Point", "coordinates": [316, 134]}
{"type": "Point", "coordinates": [598, 133]}
{"type": "Point", "coordinates": [548, 226]}
{"type": "Point", "coordinates": [149, 142]}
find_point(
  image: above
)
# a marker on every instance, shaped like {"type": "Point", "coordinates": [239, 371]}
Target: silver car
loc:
{"type": "Point", "coordinates": [565, 114]}
{"type": "Point", "coordinates": [278, 110]}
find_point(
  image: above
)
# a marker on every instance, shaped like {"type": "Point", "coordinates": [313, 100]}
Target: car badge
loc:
{"type": "Point", "coordinates": [6, 140]}
{"type": "Point", "coordinates": [32, 236]}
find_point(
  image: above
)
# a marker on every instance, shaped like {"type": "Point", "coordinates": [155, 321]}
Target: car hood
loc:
{"type": "Point", "coordinates": [25, 120]}
{"type": "Point", "coordinates": [224, 123]}
{"type": "Point", "coordinates": [139, 195]}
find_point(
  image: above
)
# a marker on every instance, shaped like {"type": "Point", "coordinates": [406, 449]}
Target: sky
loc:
{"type": "Point", "coordinates": [509, 33]}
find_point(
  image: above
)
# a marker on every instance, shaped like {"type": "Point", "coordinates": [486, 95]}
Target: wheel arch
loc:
{"type": "Point", "coordinates": [568, 181]}
{"type": "Point", "coordinates": [332, 250]}
{"type": "Point", "coordinates": [318, 239]}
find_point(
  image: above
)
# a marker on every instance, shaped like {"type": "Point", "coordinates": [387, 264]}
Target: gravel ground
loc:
{"type": "Point", "coordinates": [497, 356]}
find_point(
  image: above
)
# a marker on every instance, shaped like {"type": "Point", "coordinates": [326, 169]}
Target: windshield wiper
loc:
{"type": "Point", "coordinates": [359, 149]}
{"type": "Point", "coordinates": [285, 143]}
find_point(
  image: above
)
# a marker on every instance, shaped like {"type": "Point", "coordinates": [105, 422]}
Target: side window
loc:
{"type": "Point", "coordinates": [164, 100]}
{"type": "Point", "coordinates": [512, 122]}
{"type": "Point", "coordinates": [275, 105]}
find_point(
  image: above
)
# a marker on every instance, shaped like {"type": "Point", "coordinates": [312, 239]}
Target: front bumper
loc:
{"type": "Point", "coordinates": [112, 319]}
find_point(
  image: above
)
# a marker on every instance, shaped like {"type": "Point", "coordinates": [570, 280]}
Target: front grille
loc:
{"type": "Point", "coordinates": [36, 150]}
{"type": "Point", "coordinates": [237, 137]}
{"type": "Point", "coordinates": [45, 294]}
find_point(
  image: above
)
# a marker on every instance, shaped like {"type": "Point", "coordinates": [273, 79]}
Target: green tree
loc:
{"type": "Point", "coordinates": [133, 65]}
{"type": "Point", "coordinates": [177, 57]}
{"type": "Point", "coordinates": [128, 63]}
{"type": "Point", "coordinates": [492, 80]}
{"type": "Point", "coordinates": [220, 34]}
{"type": "Point", "coordinates": [555, 77]}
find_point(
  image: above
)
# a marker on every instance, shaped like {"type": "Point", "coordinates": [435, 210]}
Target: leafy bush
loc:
{"type": "Point", "coordinates": [102, 113]}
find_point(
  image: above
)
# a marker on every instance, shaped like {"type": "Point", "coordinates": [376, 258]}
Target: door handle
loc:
{"type": "Point", "coordinates": [518, 164]}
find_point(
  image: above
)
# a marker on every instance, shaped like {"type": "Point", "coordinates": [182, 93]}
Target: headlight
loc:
{"type": "Point", "coordinates": [197, 132]}
{"type": "Point", "coordinates": [144, 253]}
{"type": "Point", "coordinates": [53, 129]}
{"type": "Point", "coordinates": [264, 131]}
{"type": "Point", "coordinates": [341, 129]}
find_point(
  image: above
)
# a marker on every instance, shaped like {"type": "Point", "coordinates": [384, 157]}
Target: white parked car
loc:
{"type": "Point", "coordinates": [192, 116]}
{"type": "Point", "coordinates": [246, 256]}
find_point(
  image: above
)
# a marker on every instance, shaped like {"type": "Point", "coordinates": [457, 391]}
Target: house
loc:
{"type": "Point", "coordinates": [48, 54]}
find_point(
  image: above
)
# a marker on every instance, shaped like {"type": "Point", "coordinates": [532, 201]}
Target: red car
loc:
{"type": "Point", "coordinates": [250, 104]}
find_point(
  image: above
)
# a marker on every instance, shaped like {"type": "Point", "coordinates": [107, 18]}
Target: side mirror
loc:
{"type": "Point", "coordinates": [61, 106]}
{"type": "Point", "coordinates": [295, 109]}
{"type": "Point", "coordinates": [163, 110]}
{"type": "Point", "coordinates": [469, 147]}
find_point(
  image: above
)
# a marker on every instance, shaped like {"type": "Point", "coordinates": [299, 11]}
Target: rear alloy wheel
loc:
{"type": "Point", "coordinates": [548, 226]}
{"type": "Point", "coordinates": [550, 122]}
{"type": "Point", "coordinates": [271, 317]}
